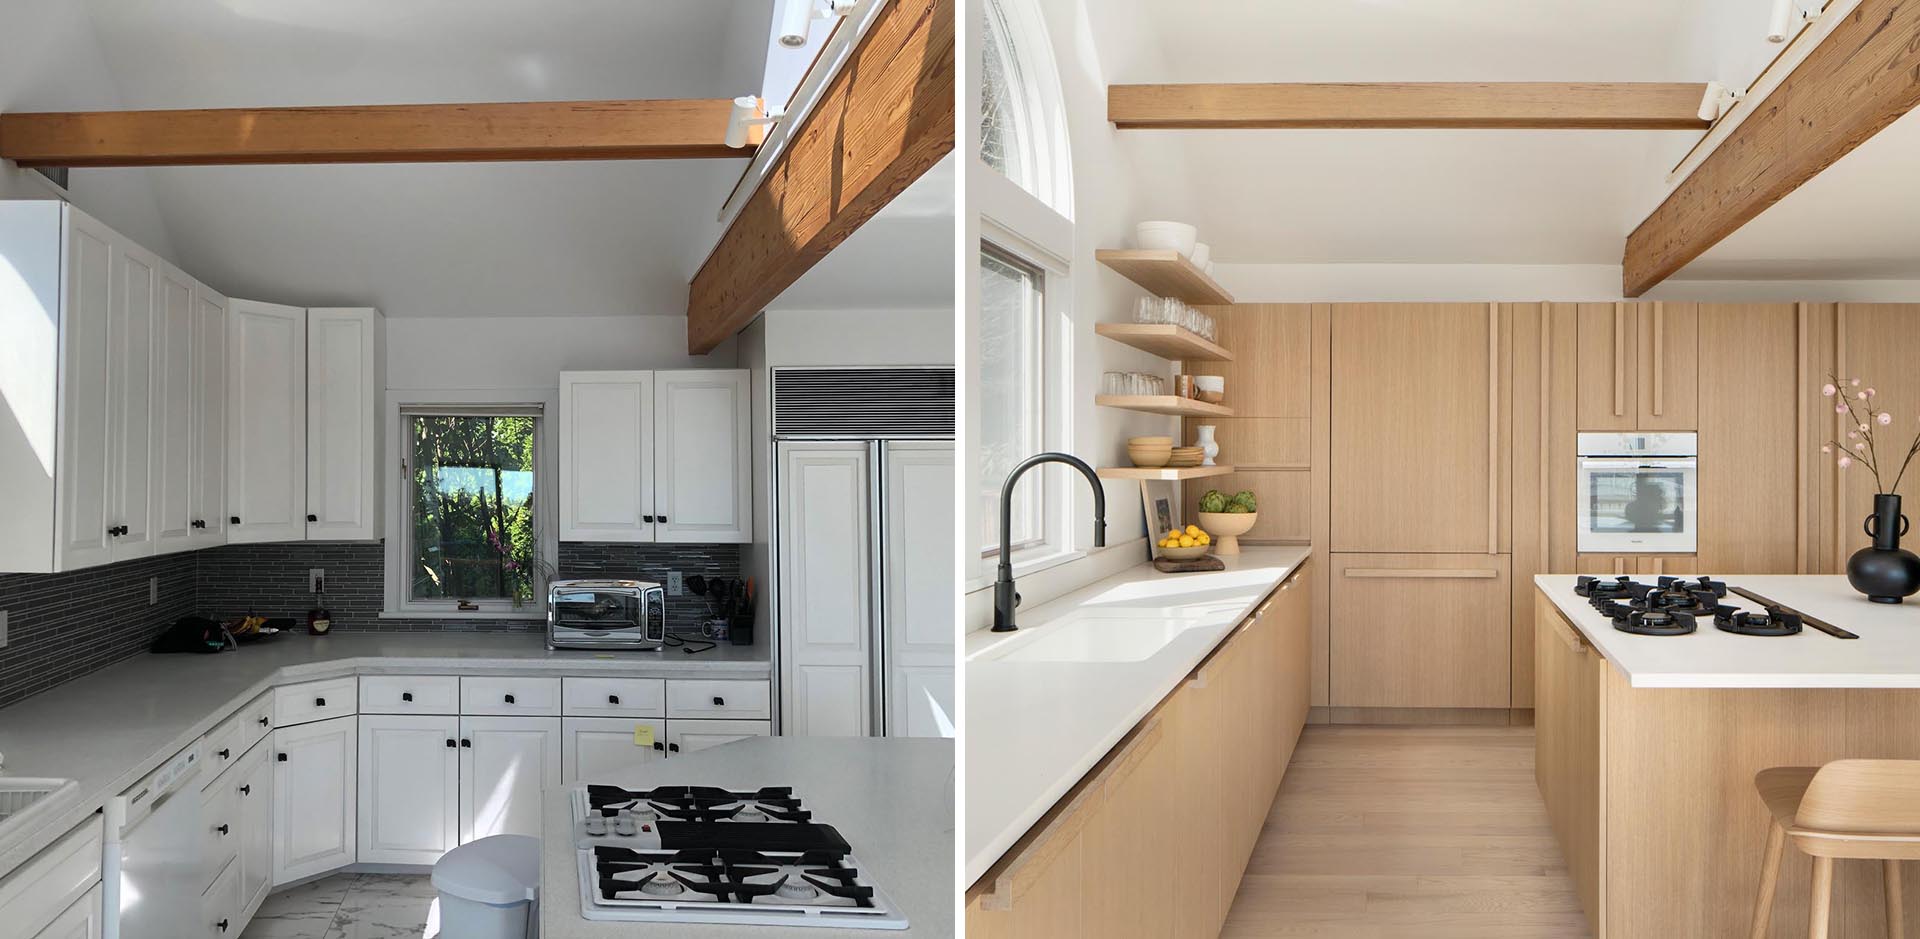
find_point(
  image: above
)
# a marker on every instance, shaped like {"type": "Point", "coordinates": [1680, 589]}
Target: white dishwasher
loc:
{"type": "Point", "coordinates": [152, 858]}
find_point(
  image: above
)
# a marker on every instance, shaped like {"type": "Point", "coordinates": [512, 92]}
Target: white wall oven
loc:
{"type": "Point", "coordinates": [1638, 493]}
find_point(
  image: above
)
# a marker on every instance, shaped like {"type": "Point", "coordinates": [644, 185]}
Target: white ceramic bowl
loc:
{"type": "Point", "coordinates": [1202, 254]}
{"type": "Point", "coordinates": [1214, 383]}
{"type": "Point", "coordinates": [1164, 236]}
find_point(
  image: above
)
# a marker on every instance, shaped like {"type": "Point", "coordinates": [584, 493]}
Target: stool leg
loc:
{"type": "Point", "coordinates": [1769, 879]}
{"type": "Point", "coordinates": [1896, 907]}
{"type": "Point", "coordinates": [1820, 910]}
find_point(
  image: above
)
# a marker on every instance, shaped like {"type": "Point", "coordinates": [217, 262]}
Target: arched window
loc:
{"type": "Point", "coordinates": [1022, 126]}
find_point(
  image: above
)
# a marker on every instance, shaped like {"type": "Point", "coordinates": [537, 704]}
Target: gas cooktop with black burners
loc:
{"type": "Point", "coordinates": [699, 854]}
{"type": "Point", "coordinates": [1673, 606]}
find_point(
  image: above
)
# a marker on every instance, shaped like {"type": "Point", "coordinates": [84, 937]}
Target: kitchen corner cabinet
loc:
{"type": "Point", "coordinates": [345, 375]}
{"type": "Point", "coordinates": [1226, 733]}
{"type": "Point", "coordinates": [315, 810]}
{"type": "Point", "coordinates": [656, 456]}
{"type": "Point", "coordinates": [1638, 367]}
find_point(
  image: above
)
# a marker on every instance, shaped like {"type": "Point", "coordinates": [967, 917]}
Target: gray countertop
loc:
{"type": "Point", "coordinates": [112, 727]}
{"type": "Point", "coordinates": [891, 798]}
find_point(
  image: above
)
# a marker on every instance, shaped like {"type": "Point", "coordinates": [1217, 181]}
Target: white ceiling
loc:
{"type": "Point", "coordinates": [496, 239]}
{"type": "Point", "coordinates": [1546, 197]}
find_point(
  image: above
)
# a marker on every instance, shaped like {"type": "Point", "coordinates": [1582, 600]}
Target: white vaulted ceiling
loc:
{"type": "Point", "coordinates": [487, 239]}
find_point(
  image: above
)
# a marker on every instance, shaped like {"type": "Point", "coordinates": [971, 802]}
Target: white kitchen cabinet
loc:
{"type": "Point", "coordinates": [694, 736]}
{"type": "Point", "coordinates": [130, 337]}
{"type": "Point", "coordinates": [505, 763]}
{"type": "Point", "coordinates": [173, 404]}
{"type": "Point", "coordinates": [315, 812]}
{"type": "Point", "coordinates": [82, 460]}
{"type": "Point", "coordinates": [655, 456]}
{"type": "Point", "coordinates": [207, 495]}
{"type": "Point", "coordinates": [220, 905]}
{"type": "Point", "coordinates": [409, 788]}
{"type": "Point", "coordinates": [826, 608]}
{"type": "Point", "coordinates": [605, 749]}
{"type": "Point", "coordinates": [344, 383]}
{"type": "Point", "coordinates": [83, 920]}
{"type": "Point", "coordinates": [266, 422]}
{"type": "Point", "coordinates": [253, 780]}
{"type": "Point", "coordinates": [917, 537]}
{"type": "Point", "coordinates": [700, 459]}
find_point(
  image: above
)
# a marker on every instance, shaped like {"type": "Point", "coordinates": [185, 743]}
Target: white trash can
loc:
{"type": "Point", "coordinates": [490, 889]}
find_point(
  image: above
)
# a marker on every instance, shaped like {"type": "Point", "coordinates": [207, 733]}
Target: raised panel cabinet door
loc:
{"type": "Point", "coordinates": [81, 443]}
{"type": "Point", "coordinates": [266, 422]}
{"type": "Point", "coordinates": [1421, 631]}
{"type": "Point", "coordinates": [606, 456]}
{"type": "Point", "coordinates": [343, 389]}
{"type": "Point", "coordinates": [703, 472]}
{"type": "Point", "coordinates": [206, 502]}
{"type": "Point", "coordinates": [917, 539]}
{"type": "Point", "coordinates": [173, 403]}
{"type": "Point", "coordinates": [255, 775]}
{"type": "Point", "coordinates": [1606, 372]}
{"type": "Point", "coordinates": [606, 749]}
{"type": "Point", "coordinates": [409, 788]}
{"type": "Point", "coordinates": [826, 587]}
{"type": "Point", "coordinates": [130, 390]}
{"type": "Point", "coordinates": [315, 808]}
{"type": "Point", "coordinates": [1418, 458]}
{"type": "Point", "coordinates": [505, 764]}
{"type": "Point", "coordinates": [83, 920]}
{"type": "Point", "coordinates": [692, 736]}
{"type": "Point", "coordinates": [1669, 366]}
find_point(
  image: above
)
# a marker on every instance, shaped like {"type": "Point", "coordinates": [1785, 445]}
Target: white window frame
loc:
{"type": "Point", "coordinates": [1040, 233]}
{"type": "Point", "coordinates": [399, 602]}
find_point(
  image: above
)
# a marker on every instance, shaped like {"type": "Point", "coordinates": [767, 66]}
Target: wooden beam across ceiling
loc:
{"type": "Point", "coordinates": [1387, 105]}
{"type": "Point", "coordinates": [884, 119]}
{"type": "Point", "coordinates": [1863, 76]}
{"type": "Point", "coordinates": [407, 133]}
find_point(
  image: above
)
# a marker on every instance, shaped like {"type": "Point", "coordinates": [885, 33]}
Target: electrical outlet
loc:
{"type": "Point", "coordinates": [3, 629]}
{"type": "Point", "coordinates": [675, 585]}
{"type": "Point", "coordinates": [153, 591]}
{"type": "Point", "coordinates": [316, 579]}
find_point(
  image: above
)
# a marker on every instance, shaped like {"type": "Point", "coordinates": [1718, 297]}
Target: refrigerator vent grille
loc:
{"type": "Point", "coordinates": [864, 403]}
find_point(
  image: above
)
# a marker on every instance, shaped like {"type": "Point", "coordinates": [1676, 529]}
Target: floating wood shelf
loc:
{"type": "Point", "coordinates": [1165, 340]}
{"type": "Point", "coordinates": [1163, 472]}
{"type": "Point", "coordinates": [1166, 274]}
{"type": "Point", "coordinates": [1164, 404]}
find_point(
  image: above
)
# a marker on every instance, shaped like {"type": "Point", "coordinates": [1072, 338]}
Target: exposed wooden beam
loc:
{"type": "Point", "coordinates": [406, 133]}
{"type": "Point", "coordinates": [882, 121]}
{"type": "Point", "coordinates": [1458, 105]}
{"type": "Point", "coordinates": [1862, 77]}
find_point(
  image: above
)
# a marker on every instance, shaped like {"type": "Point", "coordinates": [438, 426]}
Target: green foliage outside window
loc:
{"type": "Point", "coordinates": [472, 508]}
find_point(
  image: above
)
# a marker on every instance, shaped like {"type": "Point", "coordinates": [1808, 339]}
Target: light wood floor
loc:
{"type": "Point", "coordinates": [1392, 832]}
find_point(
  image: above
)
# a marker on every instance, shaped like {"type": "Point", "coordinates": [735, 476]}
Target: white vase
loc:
{"type": "Point", "coordinates": [1204, 440]}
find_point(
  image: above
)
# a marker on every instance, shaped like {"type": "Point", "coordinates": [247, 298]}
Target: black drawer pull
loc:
{"type": "Point", "coordinates": [663, 519]}
{"type": "Point", "coordinates": [199, 523]}
{"type": "Point", "coordinates": [452, 743]}
{"type": "Point", "coordinates": [222, 924]}
{"type": "Point", "coordinates": [246, 790]}
{"type": "Point", "coordinates": [225, 753]}
{"type": "Point", "coordinates": [509, 699]}
{"type": "Point", "coordinates": [719, 702]}
{"type": "Point", "coordinates": [233, 519]}
{"type": "Point", "coordinates": [223, 830]}
{"type": "Point", "coordinates": [647, 518]}
{"type": "Point", "coordinates": [319, 702]}
{"type": "Point", "coordinates": [465, 742]}
{"type": "Point", "coordinates": [406, 696]}
{"type": "Point", "coordinates": [264, 722]}
{"type": "Point", "coordinates": [281, 757]}
{"type": "Point", "coordinates": [313, 518]}
{"type": "Point", "coordinates": [657, 745]}
{"type": "Point", "coordinates": [613, 699]}
{"type": "Point", "coordinates": [673, 747]}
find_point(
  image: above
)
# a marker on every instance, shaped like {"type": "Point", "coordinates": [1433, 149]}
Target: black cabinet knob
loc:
{"type": "Point", "coordinates": [319, 702]}
{"type": "Point", "coordinates": [663, 519]}
{"type": "Point", "coordinates": [657, 745]}
{"type": "Point", "coordinates": [222, 924]}
{"type": "Point", "coordinates": [719, 702]}
{"type": "Point", "coordinates": [264, 722]}
{"type": "Point", "coordinates": [673, 748]}
{"type": "Point", "coordinates": [313, 518]}
{"type": "Point", "coordinates": [225, 754]}
{"type": "Point", "coordinates": [246, 790]}
{"type": "Point", "coordinates": [613, 699]}
{"type": "Point", "coordinates": [233, 519]}
{"type": "Point", "coordinates": [281, 757]}
{"type": "Point", "coordinates": [466, 742]}
{"type": "Point", "coordinates": [406, 696]}
{"type": "Point", "coordinates": [199, 523]}
{"type": "Point", "coordinates": [452, 743]}
{"type": "Point", "coordinates": [647, 518]}
{"type": "Point", "coordinates": [509, 699]}
{"type": "Point", "coordinates": [223, 830]}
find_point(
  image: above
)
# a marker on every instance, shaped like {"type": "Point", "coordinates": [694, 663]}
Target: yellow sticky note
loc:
{"type": "Point", "coordinates": [643, 735]}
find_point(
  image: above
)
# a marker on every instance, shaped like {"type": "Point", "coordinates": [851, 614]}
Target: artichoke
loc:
{"type": "Point", "coordinates": [1243, 502]}
{"type": "Point", "coordinates": [1213, 501]}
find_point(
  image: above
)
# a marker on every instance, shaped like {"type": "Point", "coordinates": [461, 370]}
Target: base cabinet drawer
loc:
{"type": "Point", "coordinates": [220, 905]}
{"type": "Point", "coordinates": [510, 697]}
{"type": "Point", "coordinates": [615, 697]}
{"type": "Point", "coordinates": [40, 893]}
{"type": "Point", "coordinates": [220, 828]}
{"type": "Point", "coordinates": [723, 700]}
{"type": "Point", "coordinates": [1420, 631]}
{"type": "Point", "coordinates": [684, 736]}
{"type": "Point", "coordinates": [312, 701]}
{"type": "Point", "coordinates": [409, 694]}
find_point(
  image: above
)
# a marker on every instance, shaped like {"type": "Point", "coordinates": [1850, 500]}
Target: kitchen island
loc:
{"type": "Point", "coordinates": [1647, 747]}
{"type": "Point", "coordinates": [891, 798]}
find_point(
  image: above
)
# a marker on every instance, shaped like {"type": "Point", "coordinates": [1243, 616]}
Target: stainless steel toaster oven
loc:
{"type": "Point", "coordinates": [606, 614]}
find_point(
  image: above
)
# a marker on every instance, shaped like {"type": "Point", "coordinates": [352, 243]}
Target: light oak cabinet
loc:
{"type": "Point", "coordinates": [1566, 762]}
{"type": "Point", "coordinates": [1638, 366]}
{"type": "Point", "coordinates": [1638, 565]}
{"type": "Point", "coordinates": [1185, 794]}
{"type": "Point", "coordinates": [1420, 440]}
{"type": "Point", "coordinates": [656, 456]}
{"type": "Point", "coordinates": [1420, 631]}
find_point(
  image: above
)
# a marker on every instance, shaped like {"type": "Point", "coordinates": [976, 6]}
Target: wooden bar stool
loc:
{"type": "Point", "coordinates": [1846, 809]}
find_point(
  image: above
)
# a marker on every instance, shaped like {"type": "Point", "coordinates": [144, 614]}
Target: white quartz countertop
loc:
{"type": "Point", "coordinates": [1887, 654]}
{"type": "Point", "coordinates": [112, 727]}
{"type": "Point", "coordinates": [891, 798]}
{"type": "Point", "coordinates": [1035, 725]}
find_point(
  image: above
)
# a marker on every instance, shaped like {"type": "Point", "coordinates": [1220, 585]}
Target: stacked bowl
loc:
{"type": "Point", "coordinates": [1150, 452]}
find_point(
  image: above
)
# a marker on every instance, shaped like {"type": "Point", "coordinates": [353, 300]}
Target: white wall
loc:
{"type": "Point", "coordinates": [437, 353]}
{"type": "Point", "coordinates": [50, 61]}
{"type": "Point", "coordinates": [858, 337]}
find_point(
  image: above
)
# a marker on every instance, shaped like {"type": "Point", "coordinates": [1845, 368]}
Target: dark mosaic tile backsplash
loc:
{"type": "Point", "coordinates": [63, 626]}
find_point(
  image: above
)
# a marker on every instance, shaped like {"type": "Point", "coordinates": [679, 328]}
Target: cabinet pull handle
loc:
{"type": "Point", "coordinates": [1659, 360]}
{"type": "Point", "coordinates": [673, 748]}
{"type": "Point", "coordinates": [613, 699]}
{"type": "Point", "coordinates": [233, 519]}
{"type": "Point", "coordinates": [313, 518]}
{"type": "Point", "coordinates": [663, 519]}
{"type": "Point", "coordinates": [280, 757]}
{"type": "Point", "coordinates": [406, 696]}
{"type": "Point", "coordinates": [263, 721]}
{"type": "Point", "coordinates": [199, 523]}
{"type": "Point", "coordinates": [246, 790]}
{"type": "Point", "coordinates": [222, 924]}
{"type": "Point", "coordinates": [509, 699]}
{"type": "Point", "coordinates": [719, 702]}
{"type": "Point", "coordinates": [657, 745]}
{"type": "Point", "coordinates": [465, 742]}
{"type": "Point", "coordinates": [452, 743]}
{"type": "Point", "coordinates": [225, 753]}
{"type": "Point", "coordinates": [647, 518]}
{"type": "Point", "coordinates": [319, 702]}
{"type": "Point", "coordinates": [223, 830]}
{"type": "Point", "coordinates": [1435, 573]}
{"type": "Point", "coordinates": [1493, 428]}
{"type": "Point", "coordinates": [1619, 360]}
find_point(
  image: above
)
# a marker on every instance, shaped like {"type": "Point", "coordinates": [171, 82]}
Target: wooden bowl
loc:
{"type": "Point", "coordinates": [1155, 442]}
{"type": "Point", "coordinates": [1149, 459]}
{"type": "Point", "coordinates": [1185, 554]}
{"type": "Point", "coordinates": [1226, 528]}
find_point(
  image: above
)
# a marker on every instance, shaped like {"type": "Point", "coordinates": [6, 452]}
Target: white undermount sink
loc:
{"type": "Point", "coordinates": [1099, 639]}
{"type": "Point", "coordinates": [24, 799]}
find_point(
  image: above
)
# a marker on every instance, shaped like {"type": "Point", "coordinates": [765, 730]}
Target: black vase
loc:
{"type": "Point", "coordinates": [1886, 573]}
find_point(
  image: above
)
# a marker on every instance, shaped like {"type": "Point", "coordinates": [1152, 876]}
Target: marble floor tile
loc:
{"type": "Point", "coordinates": [348, 906]}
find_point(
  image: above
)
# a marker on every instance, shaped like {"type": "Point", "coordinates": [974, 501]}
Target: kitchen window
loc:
{"type": "Point", "coordinates": [1012, 394]}
{"type": "Point", "coordinates": [1022, 127]}
{"type": "Point", "coordinates": [469, 511]}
